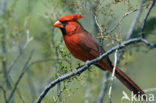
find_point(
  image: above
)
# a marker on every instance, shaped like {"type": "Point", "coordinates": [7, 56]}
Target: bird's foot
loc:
{"type": "Point", "coordinates": [87, 65]}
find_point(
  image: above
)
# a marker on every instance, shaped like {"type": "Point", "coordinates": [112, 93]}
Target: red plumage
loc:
{"type": "Point", "coordinates": [71, 17]}
{"type": "Point", "coordinates": [83, 47]}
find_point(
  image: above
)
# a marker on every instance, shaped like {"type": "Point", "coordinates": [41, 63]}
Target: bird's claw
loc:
{"type": "Point", "coordinates": [87, 65]}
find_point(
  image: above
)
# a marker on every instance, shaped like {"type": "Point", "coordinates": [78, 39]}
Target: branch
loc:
{"type": "Point", "coordinates": [104, 87]}
{"type": "Point", "coordinates": [120, 20]}
{"type": "Point", "coordinates": [10, 68]}
{"type": "Point", "coordinates": [112, 78]}
{"type": "Point", "coordinates": [98, 29]}
{"type": "Point", "coordinates": [26, 67]}
{"type": "Point", "coordinates": [130, 32]}
{"type": "Point", "coordinates": [4, 94]}
{"type": "Point", "coordinates": [148, 44]}
{"type": "Point", "coordinates": [88, 64]}
{"type": "Point", "coordinates": [61, 91]}
{"type": "Point", "coordinates": [56, 65]}
{"type": "Point", "coordinates": [20, 77]}
{"type": "Point", "coordinates": [4, 47]}
{"type": "Point", "coordinates": [150, 90]}
{"type": "Point", "coordinates": [18, 91]}
{"type": "Point", "coordinates": [146, 16]}
{"type": "Point", "coordinates": [97, 26]}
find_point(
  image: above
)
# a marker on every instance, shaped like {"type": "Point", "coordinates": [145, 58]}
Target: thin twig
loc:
{"type": "Point", "coordinates": [112, 78]}
{"type": "Point", "coordinates": [97, 26]}
{"type": "Point", "coordinates": [132, 27]}
{"type": "Point", "coordinates": [146, 16]}
{"type": "Point", "coordinates": [120, 20]}
{"type": "Point", "coordinates": [4, 94]}
{"type": "Point", "coordinates": [130, 32]}
{"type": "Point", "coordinates": [148, 44]}
{"type": "Point", "coordinates": [18, 92]}
{"type": "Point", "coordinates": [56, 65]}
{"type": "Point", "coordinates": [10, 68]}
{"type": "Point", "coordinates": [98, 29]}
{"type": "Point", "coordinates": [28, 40]}
{"type": "Point", "coordinates": [104, 87]}
{"type": "Point", "coordinates": [61, 91]}
{"type": "Point", "coordinates": [150, 90]}
{"type": "Point", "coordinates": [25, 68]}
{"type": "Point", "coordinates": [87, 64]}
{"type": "Point", "coordinates": [4, 48]}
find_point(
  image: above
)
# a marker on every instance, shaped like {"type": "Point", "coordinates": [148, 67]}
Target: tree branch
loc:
{"type": "Point", "coordinates": [56, 65]}
{"type": "Point", "coordinates": [88, 64]}
{"type": "Point", "coordinates": [130, 32]}
{"type": "Point", "coordinates": [98, 29]}
{"type": "Point", "coordinates": [112, 78]}
{"type": "Point", "coordinates": [20, 77]}
{"type": "Point", "coordinates": [4, 94]}
{"type": "Point", "coordinates": [4, 47]}
{"type": "Point", "coordinates": [150, 90]}
{"type": "Point", "coordinates": [104, 87]}
{"type": "Point", "coordinates": [146, 16]}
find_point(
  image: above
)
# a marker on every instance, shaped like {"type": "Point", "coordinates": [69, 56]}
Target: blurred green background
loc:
{"type": "Point", "coordinates": [27, 25]}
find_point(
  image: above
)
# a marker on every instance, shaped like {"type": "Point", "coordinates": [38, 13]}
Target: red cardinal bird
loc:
{"type": "Point", "coordinates": [83, 47]}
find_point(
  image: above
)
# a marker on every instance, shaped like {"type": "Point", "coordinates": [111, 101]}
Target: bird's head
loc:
{"type": "Point", "coordinates": [69, 24]}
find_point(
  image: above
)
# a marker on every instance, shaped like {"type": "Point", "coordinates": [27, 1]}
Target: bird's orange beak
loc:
{"type": "Point", "coordinates": [58, 24]}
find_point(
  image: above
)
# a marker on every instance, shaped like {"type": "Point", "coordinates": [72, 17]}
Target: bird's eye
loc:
{"type": "Point", "coordinates": [64, 23]}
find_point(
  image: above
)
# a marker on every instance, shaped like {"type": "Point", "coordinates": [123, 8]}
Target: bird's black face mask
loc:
{"type": "Point", "coordinates": [63, 30]}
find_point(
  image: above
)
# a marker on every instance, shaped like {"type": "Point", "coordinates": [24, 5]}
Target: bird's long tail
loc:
{"type": "Point", "coordinates": [127, 81]}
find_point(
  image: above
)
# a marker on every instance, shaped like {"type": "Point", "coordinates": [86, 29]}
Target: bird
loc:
{"type": "Point", "coordinates": [84, 47]}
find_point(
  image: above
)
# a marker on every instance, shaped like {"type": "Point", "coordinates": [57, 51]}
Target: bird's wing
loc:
{"type": "Point", "coordinates": [89, 45]}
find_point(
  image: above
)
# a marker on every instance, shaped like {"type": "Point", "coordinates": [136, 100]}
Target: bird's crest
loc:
{"type": "Point", "coordinates": [73, 17]}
